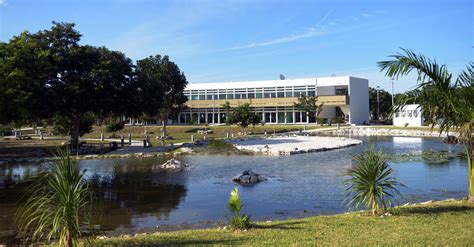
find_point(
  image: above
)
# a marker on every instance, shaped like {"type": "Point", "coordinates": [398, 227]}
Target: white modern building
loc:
{"type": "Point", "coordinates": [343, 97]}
{"type": "Point", "coordinates": [410, 115]}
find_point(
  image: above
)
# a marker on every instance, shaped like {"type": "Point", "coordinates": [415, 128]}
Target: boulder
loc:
{"type": "Point", "coordinates": [174, 165]}
{"type": "Point", "coordinates": [249, 177]}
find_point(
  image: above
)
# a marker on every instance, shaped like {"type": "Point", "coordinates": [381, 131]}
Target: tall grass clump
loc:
{"type": "Point", "coordinates": [57, 205]}
{"type": "Point", "coordinates": [370, 183]}
{"type": "Point", "coordinates": [238, 221]}
{"type": "Point", "coordinates": [220, 145]}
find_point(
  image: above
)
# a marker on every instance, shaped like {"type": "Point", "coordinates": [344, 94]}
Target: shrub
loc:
{"type": "Point", "coordinates": [321, 120]}
{"type": "Point", "coordinates": [337, 120]}
{"type": "Point", "coordinates": [57, 205]}
{"type": "Point", "coordinates": [114, 127]}
{"type": "Point", "coordinates": [370, 183]}
{"type": "Point", "coordinates": [235, 205]}
{"type": "Point", "coordinates": [219, 144]}
{"type": "Point", "coordinates": [63, 126]}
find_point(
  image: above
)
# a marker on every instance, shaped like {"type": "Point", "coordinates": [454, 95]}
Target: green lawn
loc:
{"type": "Point", "coordinates": [439, 224]}
{"type": "Point", "coordinates": [183, 133]}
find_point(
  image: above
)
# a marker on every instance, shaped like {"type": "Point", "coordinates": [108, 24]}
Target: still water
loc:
{"type": "Point", "coordinates": [134, 195]}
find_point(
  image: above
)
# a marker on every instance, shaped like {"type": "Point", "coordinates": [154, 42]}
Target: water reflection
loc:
{"type": "Point", "coordinates": [134, 194]}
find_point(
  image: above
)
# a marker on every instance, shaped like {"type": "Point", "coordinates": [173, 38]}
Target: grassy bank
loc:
{"type": "Point", "coordinates": [449, 223]}
{"type": "Point", "coordinates": [183, 133]}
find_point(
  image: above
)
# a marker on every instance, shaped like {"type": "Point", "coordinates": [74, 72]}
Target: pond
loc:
{"type": "Point", "coordinates": [135, 196]}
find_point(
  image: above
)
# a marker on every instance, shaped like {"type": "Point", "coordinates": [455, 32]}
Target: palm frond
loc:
{"type": "Point", "coordinates": [370, 183]}
{"type": "Point", "coordinates": [54, 206]}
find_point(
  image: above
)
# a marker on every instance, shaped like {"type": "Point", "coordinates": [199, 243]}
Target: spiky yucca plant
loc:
{"type": "Point", "coordinates": [235, 205]}
{"type": "Point", "coordinates": [56, 206]}
{"type": "Point", "coordinates": [370, 183]}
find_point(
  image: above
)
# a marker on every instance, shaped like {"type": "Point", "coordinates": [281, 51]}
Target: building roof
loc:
{"type": "Point", "coordinates": [319, 81]}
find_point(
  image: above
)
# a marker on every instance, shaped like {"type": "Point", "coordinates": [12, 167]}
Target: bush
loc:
{"type": "Point", "coordinates": [219, 144]}
{"type": "Point", "coordinates": [63, 126]}
{"type": "Point", "coordinates": [239, 221]}
{"type": "Point", "coordinates": [338, 120]}
{"type": "Point", "coordinates": [114, 127]}
{"type": "Point", "coordinates": [321, 120]}
{"type": "Point", "coordinates": [370, 183]}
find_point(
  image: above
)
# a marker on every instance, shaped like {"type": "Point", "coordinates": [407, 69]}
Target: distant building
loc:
{"type": "Point", "coordinates": [410, 115]}
{"type": "Point", "coordinates": [274, 100]}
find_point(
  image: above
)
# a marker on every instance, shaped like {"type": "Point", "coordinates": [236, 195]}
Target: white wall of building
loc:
{"type": "Point", "coordinates": [411, 115]}
{"type": "Point", "coordinates": [359, 100]}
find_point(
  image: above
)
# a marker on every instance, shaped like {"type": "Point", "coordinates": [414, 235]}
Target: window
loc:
{"type": "Point", "coordinates": [259, 95]}
{"type": "Point", "coordinates": [289, 117]}
{"type": "Point", "coordinates": [280, 94]}
{"type": "Point", "coordinates": [202, 97]}
{"type": "Point", "coordinates": [194, 97]}
{"type": "Point", "coordinates": [230, 96]}
{"type": "Point", "coordinates": [312, 93]}
{"type": "Point", "coordinates": [289, 94]}
{"type": "Point", "coordinates": [221, 96]}
{"type": "Point", "coordinates": [281, 117]}
{"type": "Point", "coordinates": [251, 95]}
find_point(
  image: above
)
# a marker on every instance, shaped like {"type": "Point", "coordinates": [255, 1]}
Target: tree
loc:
{"type": "Point", "coordinates": [48, 73]}
{"type": "Point", "coordinates": [448, 104]}
{"type": "Point", "coordinates": [243, 116]}
{"type": "Point", "coordinates": [57, 205]}
{"type": "Point", "coordinates": [385, 103]}
{"type": "Point", "coordinates": [370, 183]}
{"type": "Point", "coordinates": [161, 84]}
{"type": "Point", "coordinates": [309, 104]}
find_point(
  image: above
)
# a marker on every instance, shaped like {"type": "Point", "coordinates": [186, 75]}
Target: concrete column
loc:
{"type": "Point", "coordinates": [129, 139]}
{"type": "Point", "coordinates": [192, 138]}
{"type": "Point", "coordinates": [102, 136]}
{"type": "Point", "coordinates": [122, 141]}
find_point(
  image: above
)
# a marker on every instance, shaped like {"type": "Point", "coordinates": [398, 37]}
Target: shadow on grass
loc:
{"type": "Point", "coordinates": [181, 242]}
{"type": "Point", "coordinates": [435, 209]}
{"type": "Point", "coordinates": [280, 226]}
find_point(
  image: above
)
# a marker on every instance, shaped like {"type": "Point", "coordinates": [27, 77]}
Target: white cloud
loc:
{"type": "Point", "coordinates": [366, 15]}
{"type": "Point", "coordinates": [319, 30]}
{"type": "Point", "coordinates": [311, 32]}
{"type": "Point", "coordinates": [3, 2]}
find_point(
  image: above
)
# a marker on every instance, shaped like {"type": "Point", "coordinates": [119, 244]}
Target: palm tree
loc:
{"type": "Point", "coordinates": [445, 102]}
{"type": "Point", "coordinates": [56, 206]}
{"type": "Point", "coordinates": [370, 183]}
{"type": "Point", "coordinates": [235, 205]}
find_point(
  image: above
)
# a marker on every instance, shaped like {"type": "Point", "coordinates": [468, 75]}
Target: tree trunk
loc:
{"type": "Point", "coordinates": [163, 124]}
{"type": "Point", "coordinates": [470, 168]}
{"type": "Point", "coordinates": [75, 132]}
{"type": "Point", "coordinates": [69, 238]}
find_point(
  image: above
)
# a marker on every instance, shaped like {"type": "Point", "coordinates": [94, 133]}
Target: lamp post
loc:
{"type": "Point", "coordinates": [378, 104]}
{"type": "Point", "coordinates": [392, 92]}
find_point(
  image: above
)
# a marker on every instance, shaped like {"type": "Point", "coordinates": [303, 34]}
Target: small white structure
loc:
{"type": "Point", "coordinates": [410, 115]}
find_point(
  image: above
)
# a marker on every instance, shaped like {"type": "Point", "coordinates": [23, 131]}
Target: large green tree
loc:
{"type": "Point", "coordinates": [49, 73]}
{"type": "Point", "coordinates": [309, 104]}
{"type": "Point", "coordinates": [161, 84]}
{"type": "Point", "coordinates": [446, 102]}
{"type": "Point", "coordinates": [385, 103]}
{"type": "Point", "coordinates": [242, 116]}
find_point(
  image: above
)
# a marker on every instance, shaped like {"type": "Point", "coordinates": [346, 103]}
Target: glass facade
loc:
{"type": "Point", "coordinates": [285, 114]}
{"type": "Point", "coordinates": [251, 93]}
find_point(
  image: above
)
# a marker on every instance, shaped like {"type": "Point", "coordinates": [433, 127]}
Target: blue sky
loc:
{"type": "Point", "coordinates": [219, 40]}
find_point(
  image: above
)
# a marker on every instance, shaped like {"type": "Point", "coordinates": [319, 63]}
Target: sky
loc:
{"type": "Point", "coordinates": [240, 40]}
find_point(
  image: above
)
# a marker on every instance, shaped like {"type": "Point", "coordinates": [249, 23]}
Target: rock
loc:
{"type": "Point", "coordinates": [174, 165]}
{"type": "Point", "coordinates": [253, 179]}
{"type": "Point", "coordinates": [249, 177]}
{"type": "Point", "coordinates": [427, 202]}
{"type": "Point", "coordinates": [450, 140]}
